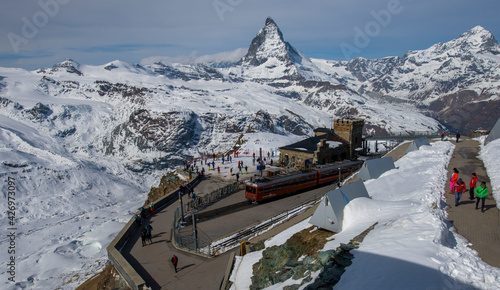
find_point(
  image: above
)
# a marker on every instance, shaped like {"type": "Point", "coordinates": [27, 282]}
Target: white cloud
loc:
{"type": "Point", "coordinates": [228, 56]}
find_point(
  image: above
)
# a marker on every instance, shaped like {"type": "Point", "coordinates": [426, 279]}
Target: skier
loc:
{"type": "Point", "coordinates": [458, 136]}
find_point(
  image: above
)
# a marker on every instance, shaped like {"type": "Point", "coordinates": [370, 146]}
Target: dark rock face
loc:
{"type": "Point", "coordinates": [166, 132]}
{"type": "Point", "coordinates": [465, 111]}
{"type": "Point", "coordinates": [132, 93]}
{"type": "Point", "coordinates": [66, 133]}
{"type": "Point", "coordinates": [264, 122]}
{"type": "Point", "coordinates": [39, 112]}
{"type": "Point", "coordinates": [68, 65]}
{"type": "Point", "coordinates": [197, 72]}
{"type": "Point", "coordinates": [4, 102]}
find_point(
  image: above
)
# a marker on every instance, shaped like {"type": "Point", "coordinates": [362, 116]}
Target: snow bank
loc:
{"type": "Point", "coordinates": [412, 246]}
{"type": "Point", "coordinates": [490, 154]}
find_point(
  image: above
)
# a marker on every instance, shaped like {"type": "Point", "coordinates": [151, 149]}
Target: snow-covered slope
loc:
{"type": "Point", "coordinates": [452, 80]}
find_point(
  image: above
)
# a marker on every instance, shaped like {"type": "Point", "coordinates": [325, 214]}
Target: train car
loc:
{"type": "Point", "coordinates": [330, 173]}
{"type": "Point", "coordinates": [264, 188]}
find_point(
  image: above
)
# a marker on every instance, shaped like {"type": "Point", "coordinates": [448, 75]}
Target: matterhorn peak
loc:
{"type": "Point", "coordinates": [268, 43]}
{"type": "Point", "coordinates": [270, 57]}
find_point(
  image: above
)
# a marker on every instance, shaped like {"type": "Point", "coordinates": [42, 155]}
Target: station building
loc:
{"type": "Point", "coordinates": [327, 146]}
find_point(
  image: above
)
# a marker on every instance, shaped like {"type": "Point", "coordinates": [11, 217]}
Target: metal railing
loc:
{"type": "Point", "coordinates": [189, 242]}
{"type": "Point", "coordinates": [404, 135]}
{"type": "Point", "coordinates": [200, 202]}
{"type": "Point", "coordinates": [224, 244]}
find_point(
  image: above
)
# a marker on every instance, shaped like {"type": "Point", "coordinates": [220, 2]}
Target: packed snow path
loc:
{"type": "Point", "coordinates": [482, 229]}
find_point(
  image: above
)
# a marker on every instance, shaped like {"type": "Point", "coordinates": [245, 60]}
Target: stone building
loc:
{"type": "Point", "coordinates": [351, 130]}
{"type": "Point", "coordinates": [326, 146]}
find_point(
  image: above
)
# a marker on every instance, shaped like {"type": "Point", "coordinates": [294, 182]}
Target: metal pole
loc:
{"type": "Point", "coordinates": [340, 176]}
{"type": "Point", "coordinates": [182, 208]}
{"type": "Point", "coordinates": [195, 233]}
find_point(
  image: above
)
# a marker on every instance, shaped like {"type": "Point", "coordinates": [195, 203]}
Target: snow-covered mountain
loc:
{"type": "Point", "coordinates": [154, 116]}
{"type": "Point", "coordinates": [451, 81]}
{"type": "Point", "coordinates": [270, 57]}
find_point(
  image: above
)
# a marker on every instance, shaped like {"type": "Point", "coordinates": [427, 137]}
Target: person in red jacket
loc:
{"type": "Point", "coordinates": [472, 186]}
{"type": "Point", "coordinates": [174, 261]}
{"type": "Point", "coordinates": [459, 188]}
{"type": "Point", "coordinates": [453, 179]}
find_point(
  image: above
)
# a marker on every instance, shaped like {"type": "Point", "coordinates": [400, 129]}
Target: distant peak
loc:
{"type": "Point", "coordinates": [270, 21]}
{"type": "Point", "coordinates": [478, 39]}
{"type": "Point", "coordinates": [267, 44]}
{"type": "Point", "coordinates": [478, 30]}
{"type": "Point", "coordinates": [69, 65]}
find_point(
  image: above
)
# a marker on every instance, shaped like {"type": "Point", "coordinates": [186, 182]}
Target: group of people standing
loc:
{"type": "Point", "coordinates": [458, 187]}
{"type": "Point", "coordinates": [146, 235]}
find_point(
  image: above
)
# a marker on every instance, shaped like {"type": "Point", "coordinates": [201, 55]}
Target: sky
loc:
{"type": "Point", "coordinates": [37, 34]}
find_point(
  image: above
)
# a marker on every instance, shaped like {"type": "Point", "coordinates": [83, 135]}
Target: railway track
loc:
{"type": "Point", "coordinates": [222, 245]}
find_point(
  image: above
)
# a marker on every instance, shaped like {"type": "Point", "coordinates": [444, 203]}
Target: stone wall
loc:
{"type": "Point", "coordinates": [127, 272]}
{"type": "Point", "coordinates": [325, 154]}
{"type": "Point", "coordinates": [294, 158]}
{"type": "Point", "coordinates": [350, 130]}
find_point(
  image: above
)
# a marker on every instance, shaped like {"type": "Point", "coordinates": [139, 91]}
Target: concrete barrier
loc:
{"type": "Point", "coordinates": [229, 269]}
{"type": "Point", "coordinates": [124, 268]}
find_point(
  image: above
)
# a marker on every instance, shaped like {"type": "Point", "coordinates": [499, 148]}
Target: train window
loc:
{"type": "Point", "coordinates": [250, 189]}
{"type": "Point", "coordinates": [273, 187]}
{"type": "Point", "coordinates": [280, 186]}
{"type": "Point", "coordinates": [286, 183]}
{"type": "Point", "coordinates": [266, 189]}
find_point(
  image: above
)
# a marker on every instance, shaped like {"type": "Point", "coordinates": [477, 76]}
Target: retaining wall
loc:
{"type": "Point", "coordinates": [128, 273]}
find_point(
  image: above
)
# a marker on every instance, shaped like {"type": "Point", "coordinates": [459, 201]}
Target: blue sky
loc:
{"type": "Point", "coordinates": [40, 33]}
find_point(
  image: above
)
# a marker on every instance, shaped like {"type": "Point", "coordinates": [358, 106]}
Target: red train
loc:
{"type": "Point", "coordinates": [264, 188]}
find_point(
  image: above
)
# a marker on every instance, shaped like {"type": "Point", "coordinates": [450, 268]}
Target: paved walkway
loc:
{"type": "Point", "coordinates": [482, 229]}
